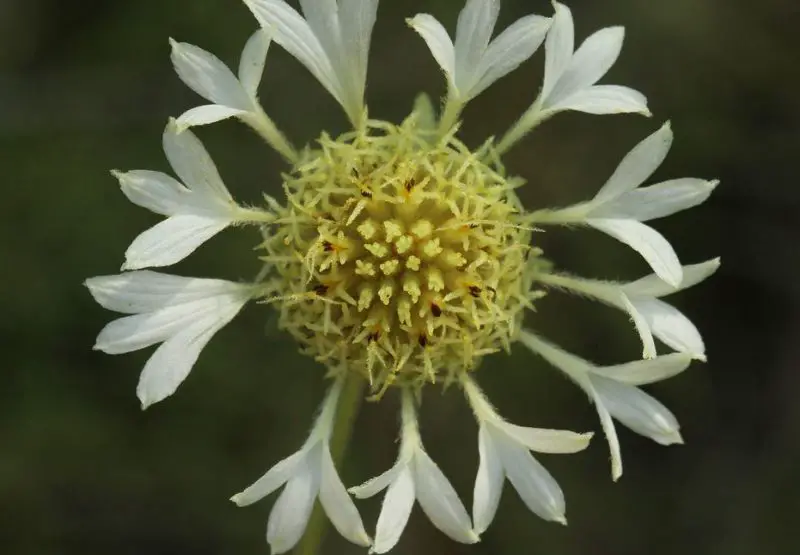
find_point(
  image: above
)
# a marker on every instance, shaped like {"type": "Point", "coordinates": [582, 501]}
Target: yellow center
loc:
{"type": "Point", "coordinates": [398, 259]}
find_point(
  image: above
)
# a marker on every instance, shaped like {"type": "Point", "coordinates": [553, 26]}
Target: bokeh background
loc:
{"type": "Point", "coordinates": [87, 86]}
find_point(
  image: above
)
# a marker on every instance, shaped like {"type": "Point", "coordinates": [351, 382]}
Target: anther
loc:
{"type": "Point", "coordinates": [454, 259]}
{"type": "Point", "coordinates": [436, 310]}
{"type": "Point", "coordinates": [378, 250]}
{"type": "Point", "coordinates": [475, 291]}
{"type": "Point", "coordinates": [321, 289]}
{"type": "Point", "coordinates": [412, 263]}
{"type": "Point", "coordinates": [423, 340]}
{"type": "Point", "coordinates": [411, 286]}
{"type": "Point", "coordinates": [393, 229]}
{"type": "Point", "coordinates": [365, 298]}
{"type": "Point", "coordinates": [431, 248]}
{"type": "Point", "coordinates": [390, 267]}
{"type": "Point", "coordinates": [435, 279]}
{"type": "Point", "coordinates": [422, 228]}
{"type": "Point", "coordinates": [385, 292]}
{"type": "Point", "coordinates": [403, 244]}
{"type": "Point", "coordinates": [364, 268]}
{"type": "Point", "coordinates": [367, 229]}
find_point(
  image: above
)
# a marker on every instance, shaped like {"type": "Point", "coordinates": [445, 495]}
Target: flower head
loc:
{"type": "Point", "coordinates": [399, 257]}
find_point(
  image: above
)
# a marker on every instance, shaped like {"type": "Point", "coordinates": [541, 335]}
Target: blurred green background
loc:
{"type": "Point", "coordinates": [87, 86]}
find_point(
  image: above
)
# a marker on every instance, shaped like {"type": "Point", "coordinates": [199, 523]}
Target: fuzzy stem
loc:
{"type": "Point", "coordinates": [346, 412]}
{"type": "Point", "coordinates": [264, 126]}
{"type": "Point", "coordinates": [531, 118]}
{"type": "Point", "coordinates": [449, 117]}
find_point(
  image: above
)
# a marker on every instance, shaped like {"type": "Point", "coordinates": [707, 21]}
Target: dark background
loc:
{"type": "Point", "coordinates": [87, 86]}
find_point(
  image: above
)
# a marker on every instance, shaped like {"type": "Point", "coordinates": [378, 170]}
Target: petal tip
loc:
{"type": "Point", "coordinates": [672, 438]}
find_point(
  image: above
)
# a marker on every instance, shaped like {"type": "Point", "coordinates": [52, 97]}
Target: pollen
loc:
{"type": "Point", "coordinates": [412, 282]}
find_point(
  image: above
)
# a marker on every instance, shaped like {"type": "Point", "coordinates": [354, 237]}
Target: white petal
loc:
{"type": "Point", "coordinates": [206, 75]}
{"type": "Point", "coordinates": [509, 49]}
{"type": "Point", "coordinates": [155, 191]}
{"type": "Point", "coordinates": [642, 326]}
{"type": "Point", "coordinates": [637, 410]}
{"type": "Point", "coordinates": [140, 331]}
{"type": "Point", "coordinates": [169, 365]}
{"type": "Point", "coordinates": [654, 286]}
{"type": "Point", "coordinates": [438, 41]}
{"type": "Point", "coordinates": [475, 26]}
{"type": "Point", "coordinates": [440, 501]}
{"type": "Point", "coordinates": [145, 291]}
{"type": "Point", "coordinates": [591, 61]}
{"type": "Point", "coordinates": [578, 370]}
{"type": "Point", "coordinates": [379, 483]}
{"type": "Point", "coordinates": [534, 484]}
{"type": "Point", "coordinates": [251, 64]}
{"type": "Point", "coordinates": [671, 326]}
{"type": "Point", "coordinates": [357, 18]}
{"type": "Point", "coordinates": [656, 201]}
{"type": "Point", "coordinates": [640, 372]}
{"type": "Point", "coordinates": [338, 505]}
{"type": "Point", "coordinates": [194, 166]}
{"type": "Point", "coordinates": [395, 510]}
{"type": "Point", "coordinates": [559, 47]}
{"type": "Point", "coordinates": [547, 441]}
{"type": "Point", "coordinates": [610, 432]}
{"type": "Point", "coordinates": [604, 99]}
{"type": "Point", "coordinates": [645, 240]}
{"type": "Point", "coordinates": [293, 33]}
{"type": "Point", "coordinates": [695, 273]}
{"type": "Point", "coordinates": [289, 516]}
{"type": "Point", "coordinates": [274, 478]}
{"type": "Point", "coordinates": [638, 164]}
{"type": "Point", "coordinates": [206, 114]}
{"type": "Point", "coordinates": [172, 240]}
{"type": "Point", "coordinates": [323, 18]}
{"type": "Point", "coordinates": [488, 482]}
{"type": "Point", "coordinates": [575, 367]}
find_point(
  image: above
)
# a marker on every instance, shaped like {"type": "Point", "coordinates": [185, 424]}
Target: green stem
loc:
{"type": "Point", "coordinates": [349, 404]}
{"type": "Point", "coordinates": [524, 125]}
{"type": "Point", "coordinates": [452, 109]}
{"type": "Point", "coordinates": [264, 126]}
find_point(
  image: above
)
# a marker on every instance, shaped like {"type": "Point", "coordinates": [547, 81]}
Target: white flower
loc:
{"type": "Point", "coordinates": [206, 75]}
{"type": "Point", "coordinates": [570, 75]}
{"type": "Point", "coordinates": [196, 209]}
{"type": "Point", "coordinates": [415, 476]}
{"type": "Point", "coordinates": [307, 474]}
{"type": "Point", "coordinates": [504, 451]}
{"type": "Point", "coordinates": [640, 300]}
{"type": "Point", "coordinates": [232, 96]}
{"type": "Point", "coordinates": [620, 207]}
{"type": "Point", "coordinates": [180, 313]}
{"type": "Point", "coordinates": [332, 42]}
{"type": "Point", "coordinates": [474, 63]}
{"type": "Point", "coordinates": [614, 393]}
